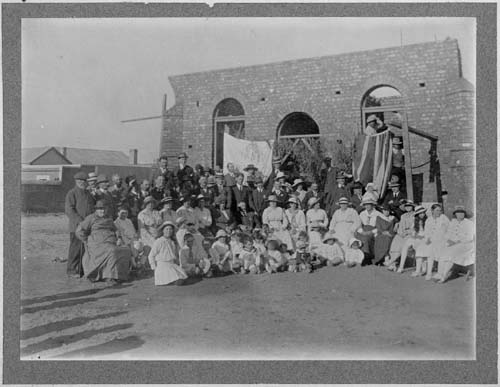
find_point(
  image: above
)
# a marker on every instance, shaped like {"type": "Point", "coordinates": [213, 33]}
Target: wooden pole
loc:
{"type": "Point", "coordinates": [406, 147]}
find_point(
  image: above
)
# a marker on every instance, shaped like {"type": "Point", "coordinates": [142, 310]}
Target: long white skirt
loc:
{"type": "Point", "coordinates": [461, 254]}
{"type": "Point", "coordinates": [343, 231]}
{"type": "Point", "coordinates": [167, 272]}
{"type": "Point", "coordinates": [284, 237]}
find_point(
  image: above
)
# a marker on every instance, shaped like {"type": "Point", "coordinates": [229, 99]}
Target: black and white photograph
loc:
{"type": "Point", "coordinates": [248, 188]}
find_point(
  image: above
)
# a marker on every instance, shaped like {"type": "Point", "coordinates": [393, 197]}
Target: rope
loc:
{"type": "Point", "coordinates": [421, 165]}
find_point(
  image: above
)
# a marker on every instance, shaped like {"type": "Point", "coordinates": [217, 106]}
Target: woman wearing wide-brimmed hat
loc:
{"type": "Point", "coordinates": [296, 218]}
{"type": "Point", "coordinates": [149, 220]}
{"type": "Point", "coordinates": [404, 231]}
{"type": "Point", "coordinates": [344, 223]}
{"type": "Point", "coordinates": [167, 212]}
{"type": "Point", "coordinates": [187, 209]}
{"type": "Point", "coordinates": [164, 256]}
{"type": "Point", "coordinates": [460, 244]}
{"type": "Point", "coordinates": [277, 221]}
{"type": "Point", "coordinates": [316, 220]}
{"type": "Point", "coordinates": [299, 191]}
{"type": "Point", "coordinates": [203, 216]}
{"type": "Point", "coordinates": [223, 217]}
{"type": "Point", "coordinates": [104, 259]}
{"type": "Point", "coordinates": [367, 231]}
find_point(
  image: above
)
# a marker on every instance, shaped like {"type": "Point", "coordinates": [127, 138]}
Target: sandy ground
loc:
{"type": "Point", "coordinates": [333, 313]}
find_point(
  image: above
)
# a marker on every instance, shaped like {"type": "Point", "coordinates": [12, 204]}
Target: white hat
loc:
{"type": "Point", "coordinates": [353, 240]}
{"type": "Point", "coordinates": [329, 235]}
{"type": "Point", "coordinates": [371, 118]}
{"type": "Point", "coordinates": [280, 174]}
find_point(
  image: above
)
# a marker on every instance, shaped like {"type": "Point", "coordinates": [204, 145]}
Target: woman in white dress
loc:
{"type": "Point", "coordinates": [317, 221]}
{"type": "Point", "coordinates": [296, 218]}
{"type": "Point", "coordinates": [460, 246]}
{"type": "Point", "coordinates": [300, 192]}
{"type": "Point", "coordinates": [163, 257]}
{"type": "Point", "coordinates": [276, 219]}
{"type": "Point", "coordinates": [345, 221]}
{"type": "Point", "coordinates": [149, 220]}
{"type": "Point", "coordinates": [436, 227]}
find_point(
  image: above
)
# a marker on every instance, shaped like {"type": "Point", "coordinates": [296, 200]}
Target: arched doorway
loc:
{"type": "Point", "coordinates": [298, 145]}
{"type": "Point", "coordinates": [383, 101]}
{"type": "Point", "coordinates": [228, 117]}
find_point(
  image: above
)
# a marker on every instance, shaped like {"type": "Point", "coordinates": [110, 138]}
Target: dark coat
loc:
{"type": "Point", "coordinates": [79, 203]}
{"type": "Point", "coordinates": [221, 222]}
{"type": "Point", "coordinates": [109, 203]}
{"type": "Point", "coordinates": [239, 196]}
{"type": "Point", "coordinates": [183, 176]}
{"type": "Point", "coordinates": [333, 197]}
{"type": "Point", "coordinates": [282, 197]}
{"type": "Point", "coordinates": [258, 201]}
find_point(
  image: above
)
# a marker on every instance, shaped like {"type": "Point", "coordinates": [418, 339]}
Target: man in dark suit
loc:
{"type": "Point", "coordinates": [313, 192]}
{"type": "Point", "coordinates": [328, 176]}
{"type": "Point", "coordinates": [268, 186]}
{"type": "Point", "coordinates": [103, 194]}
{"type": "Point", "coordinates": [183, 174]}
{"type": "Point", "coordinates": [258, 200]}
{"type": "Point", "coordinates": [79, 203]}
{"type": "Point", "coordinates": [357, 196]}
{"type": "Point", "coordinates": [395, 199]}
{"type": "Point", "coordinates": [340, 190]}
{"type": "Point", "coordinates": [239, 193]}
{"type": "Point", "coordinates": [280, 193]}
{"type": "Point", "coordinates": [165, 172]}
{"type": "Point", "coordinates": [207, 193]}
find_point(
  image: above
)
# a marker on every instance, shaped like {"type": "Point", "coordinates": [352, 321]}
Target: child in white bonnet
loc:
{"type": "Point", "coordinates": [353, 254]}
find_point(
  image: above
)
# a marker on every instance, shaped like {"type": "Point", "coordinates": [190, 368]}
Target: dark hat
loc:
{"type": "Point", "coordinates": [211, 181]}
{"type": "Point", "coordinates": [357, 185]}
{"type": "Point", "coordinates": [80, 176]}
{"type": "Point", "coordinates": [102, 179]}
{"type": "Point", "coordinates": [327, 158]}
{"type": "Point", "coordinates": [409, 202]}
{"type": "Point", "coordinates": [182, 155]}
{"type": "Point", "coordinates": [100, 204]}
{"type": "Point", "coordinates": [341, 175]}
{"type": "Point", "coordinates": [383, 207]}
{"type": "Point", "coordinates": [397, 141]}
{"type": "Point", "coordinates": [394, 184]}
{"type": "Point", "coordinates": [249, 167]}
{"type": "Point", "coordinates": [371, 118]}
{"type": "Point", "coordinates": [460, 209]}
{"type": "Point", "coordinates": [258, 180]}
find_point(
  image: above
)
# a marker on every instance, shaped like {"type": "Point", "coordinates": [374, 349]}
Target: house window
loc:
{"type": "Point", "coordinates": [229, 117]}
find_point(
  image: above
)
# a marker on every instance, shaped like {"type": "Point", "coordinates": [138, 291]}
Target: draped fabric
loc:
{"type": "Point", "coordinates": [243, 152]}
{"type": "Point", "coordinates": [372, 159]}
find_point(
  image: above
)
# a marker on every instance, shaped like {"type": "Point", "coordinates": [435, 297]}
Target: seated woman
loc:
{"type": "Point", "coordinates": [460, 246]}
{"type": "Point", "coordinates": [367, 231]}
{"type": "Point", "coordinates": [203, 217]}
{"type": "Point", "coordinates": [223, 217]}
{"type": "Point", "coordinates": [317, 221]}
{"type": "Point", "coordinates": [104, 259]}
{"type": "Point", "coordinates": [277, 221]}
{"type": "Point", "coordinates": [149, 220]}
{"type": "Point", "coordinates": [371, 193]}
{"type": "Point", "coordinates": [296, 218]}
{"type": "Point", "coordinates": [404, 231]}
{"type": "Point", "coordinates": [385, 232]}
{"type": "Point", "coordinates": [163, 257]}
{"type": "Point", "coordinates": [345, 221]}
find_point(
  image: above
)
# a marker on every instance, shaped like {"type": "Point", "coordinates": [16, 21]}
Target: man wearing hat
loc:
{"type": "Point", "coordinates": [251, 176]}
{"type": "Point", "coordinates": [257, 200]}
{"type": "Point", "coordinates": [336, 192]}
{"type": "Point", "coordinates": [328, 175]}
{"type": "Point", "coordinates": [91, 184]}
{"type": "Point", "coordinates": [279, 192]}
{"type": "Point", "coordinates": [394, 199]}
{"type": "Point", "coordinates": [183, 173]}
{"type": "Point", "coordinates": [78, 205]}
{"type": "Point", "coordinates": [374, 125]}
{"type": "Point", "coordinates": [103, 194]}
{"type": "Point", "coordinates": [398, 158]}
{"type": "Point", "coordinates": [269, 184]}
{"type": "Point", "coordinates": [357, 196]}
{"type": "Point", "coordinates": [163, 170]}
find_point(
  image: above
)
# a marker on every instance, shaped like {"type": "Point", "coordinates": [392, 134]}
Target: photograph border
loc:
{"type": "Point", "coordinates": [481, 371]}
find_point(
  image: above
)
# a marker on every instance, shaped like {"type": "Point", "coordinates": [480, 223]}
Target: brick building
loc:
{"type": "Point", "coordinates": [328, 96]}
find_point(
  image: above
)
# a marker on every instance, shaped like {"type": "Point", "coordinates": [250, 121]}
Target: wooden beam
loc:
{"type": "Point", "coordinates": [382, 109]}
{"type": "Point", "coordinates": [307, 145]}
{"type": "Point", "coordinates": [406, 147]}
{"type": "Point", "coordinates": [299, 136]}
{"type": "Point", "coordinates": [230, 118]}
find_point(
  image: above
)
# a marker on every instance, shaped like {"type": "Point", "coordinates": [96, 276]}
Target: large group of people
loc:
{"type": "Point", "coordinates": [201, 222]}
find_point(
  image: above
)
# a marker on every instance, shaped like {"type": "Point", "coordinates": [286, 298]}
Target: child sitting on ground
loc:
{"type": "Point", "coordinates": [192, 259]}
{"type": "Point", "coordinates": [211, 256]}
{"type": "Point", "coordinates": [249, 256]}
{"type": "Point", "coordinates": [330, 253]}
{"type": "Point", "coordinates": [259, 243]}
{"type": "Point", "coordinates": [353, 254]}
{"type": "Point", "coordinates": [301, 259]}
{"type": "Point", "coordinates": [274, 259]}
{"type": "Point", "coordinates": [223, 251]}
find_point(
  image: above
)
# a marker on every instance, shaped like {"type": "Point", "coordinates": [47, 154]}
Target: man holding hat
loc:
{"type": "Point", "coordinates": [183, 173]}
{"type": "Point", "coordinates": [394, 199]}
{"type": "Point", "coordinates": [78, 205]}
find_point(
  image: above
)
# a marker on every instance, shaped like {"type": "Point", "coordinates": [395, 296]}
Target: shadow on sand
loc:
{"type": "Point", "coordinates": [63, 324]}
{"type": "Point", "coordinates": [113, 346]}
{"type": "Point", "coordinates": [55, 342]}
{"type": "Point", "coordinates": [67, 303]}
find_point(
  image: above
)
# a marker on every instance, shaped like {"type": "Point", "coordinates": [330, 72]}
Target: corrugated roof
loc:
{"type": "Point", "coordinates": [80, 155]}
{"type": "Point", "coordinates": [30, 154]}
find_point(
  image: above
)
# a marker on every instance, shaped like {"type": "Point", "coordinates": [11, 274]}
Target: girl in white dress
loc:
{"type": "Point", "coordinates": [148, 221]}
{"type": "Point", "coordinates": [296, 219]}
{"type": "Point", "coordinates": [277, 221]}
{"type": "Point", "coordinates": [436, 227]}
{"type": "Point", "coordinates": [163, 257]}
{"type": "Point", "coordinates": [316, 220]}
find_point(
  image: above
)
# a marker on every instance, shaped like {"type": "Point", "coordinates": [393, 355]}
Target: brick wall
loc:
{"type": "Point", "coordinates": [270, 92]}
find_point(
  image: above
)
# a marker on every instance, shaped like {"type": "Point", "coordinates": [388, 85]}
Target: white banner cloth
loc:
{"type": "Point", "coordinates": [243, 152]}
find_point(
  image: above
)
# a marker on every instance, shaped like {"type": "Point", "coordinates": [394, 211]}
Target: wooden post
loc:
{"type": "Point", "coordinates": [406, 145]}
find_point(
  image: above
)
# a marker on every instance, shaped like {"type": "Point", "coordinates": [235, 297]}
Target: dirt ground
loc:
{"type": "Point", "coordinates": [333, 313]}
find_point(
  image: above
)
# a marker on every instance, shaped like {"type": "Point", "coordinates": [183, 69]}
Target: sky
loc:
{"type": "Point", "coordinates": [81, 77]}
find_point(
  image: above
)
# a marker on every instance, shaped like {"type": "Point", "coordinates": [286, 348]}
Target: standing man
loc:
{"type": "Point", "coordinates": [78, 204]}
{"type": "Point", "coordinates": [268, 186]}
{"type": "Point", "coordinates": [103, 194]}
{"type": "Point", "coordinates": [92, 184]}
{"type": "Point", "coordinates": [257, 200]}
{"type": "Point", "coordinates": [239, 193]}
{"type": "Point", "coordinates": [118, 191]}
{"type": "Point", "coordinates": [328, 176]}
{"type": "Point", "coordinates": [183, 174]}
{"type": "Point", "coordinates": [230, 176]}
{"type": "Point", "coordinates": [338, 191]}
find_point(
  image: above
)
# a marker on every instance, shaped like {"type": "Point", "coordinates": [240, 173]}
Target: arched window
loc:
{"type": "Point", "coordinates": [385, 102]}
{"type": "Point", "coordinates": [229, 117]}
{"type": "Point", "coordinates": [297, 125]}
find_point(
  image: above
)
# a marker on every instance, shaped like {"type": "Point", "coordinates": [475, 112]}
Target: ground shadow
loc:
{"type": "Point", "coordinates": [62, 296]}
{"type": "Point", "coordinates": [190, 281]}
{"type": "Point", "coordinates": [68, 303]}
{"type": "Point", "coordinates": [113, 346]}
{"type": "Point", "coordinates": [63, 324]}
{"type": "Point", "coordinates": [55, 342]}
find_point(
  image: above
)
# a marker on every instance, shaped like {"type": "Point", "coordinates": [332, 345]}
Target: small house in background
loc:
{"type": "Point", "coordinates": [47, 172]}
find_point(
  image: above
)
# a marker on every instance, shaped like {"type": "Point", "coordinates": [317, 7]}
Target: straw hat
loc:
{"type": "Point", "coordinates": [165, 224]}
{"type": "Point", "coordinates": [393, 184]}
{"type": "Point", "coordinates": [296, 182]}
{"type": "Point", "coordinates": [397, 141]}
{"type": "Point", "coordinates": [354, 240]}
{"type": "Point", "coordinates": [211, 181]}
{"type": "Point", "coordinates": [312, 201]}
{"type": "Point", "coordinates": [460, 209]}
{"type": "Point", "coordinates": [420, 210]}
{"type": "Point", "coordinates": [92, 176]}
{"type": "Point", "coordinates": [167, 199]}
{"type": "Point", "coordinates": [409, 203]}
{"type": "Point", "coordinates": [368, 200]}
{"type": "Point", "coordinates": [343, 200]}
{"type": "Point", "coordinates": [272, 198]}
{"type": "Point", "coordinates": [180, 221]}
{"type": "Point", "coordinates": [221, 234]}
{"type": "Point", "coordinates": [329, 235]}
{"type": "Point", "coordinates": [371, 118]}
{"type": "Point", "coordinates": [147, 200]}
{"type": "Point", "coordinates": [294, 200]}
{"type": "Point", "coordinates": [280, 174]}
